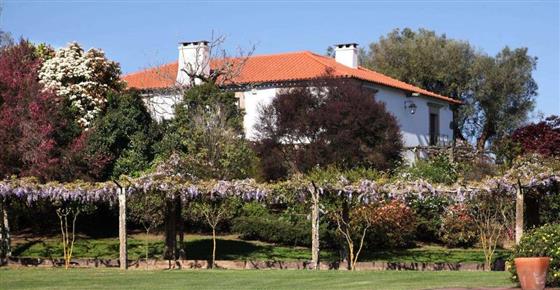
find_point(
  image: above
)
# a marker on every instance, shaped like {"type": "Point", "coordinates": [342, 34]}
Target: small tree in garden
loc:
{"type": "Point", "coordinates": [493, 213]}
{"type": "Point", "coordinates": [148, 209]}
{"type": "Point", "coordinates": [82, 78]}
{"type": "Point", "coordinates": [352, 210]}
{"type": "Point", "coordinates": [68, 213]}
{"type": "Point", "coordinates": [214, 209]}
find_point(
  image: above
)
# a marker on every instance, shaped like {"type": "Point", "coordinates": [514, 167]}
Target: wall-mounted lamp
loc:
{"type": "Point", "coordinates": [410, 106]}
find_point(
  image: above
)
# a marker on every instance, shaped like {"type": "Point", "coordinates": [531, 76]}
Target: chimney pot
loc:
{"type": "Point", "coordinates": [347, 54]}
{"type": "Point", "coordinates": [194, 58]}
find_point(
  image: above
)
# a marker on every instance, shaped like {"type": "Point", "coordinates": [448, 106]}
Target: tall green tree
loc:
{"type": "Point", "coordinates": [498, 92]}
{"type": "Point", "coordinates": [207, 132]}
{"type": "Point", "coordinates": [121, 139]}
{"type": "Point", "coordinates": [504, 94]}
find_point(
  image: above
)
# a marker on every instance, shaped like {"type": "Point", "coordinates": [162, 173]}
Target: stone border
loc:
{"type": "Point", "coordinates": [157, 264]}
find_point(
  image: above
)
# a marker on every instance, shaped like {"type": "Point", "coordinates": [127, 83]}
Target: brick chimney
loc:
{"type": "Point", "coordinates": [194, 58]}
{"type": "Point", "coordinates": [346, 54]}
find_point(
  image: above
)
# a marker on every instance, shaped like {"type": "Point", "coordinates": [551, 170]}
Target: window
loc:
{"type": "Point", "coordinates": [240, 100]}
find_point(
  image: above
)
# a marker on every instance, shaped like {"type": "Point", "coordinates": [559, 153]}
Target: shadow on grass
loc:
{"type": "Point", "coordinates": [225, 249]}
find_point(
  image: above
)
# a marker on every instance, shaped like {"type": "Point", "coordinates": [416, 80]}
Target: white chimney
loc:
{"type": "Point", "coordinates": [194, 59]}
{"type": "Point", "coordinates": [347, 54]}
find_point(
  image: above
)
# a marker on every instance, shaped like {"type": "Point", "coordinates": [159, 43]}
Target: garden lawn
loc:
{"type": "Point", "coordinates": [60, 279]}
{"type": "Point", "coordinates": [198, 247]}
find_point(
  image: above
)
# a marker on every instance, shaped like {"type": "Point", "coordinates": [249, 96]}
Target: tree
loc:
{"type": "Point", "coordinates": [214, 209]}
{"type": "Point", "coordinates": [83, 78]}
{"type": "Point", "coordinates": [497, 92]}
{"type": "Point", "coordinates": [504, 94]}
{"type": "Point", "coordinates": [5, 39]}
{"type": "Point", "coordinates": [542, 138]}
{"type": "Point", "coordinates": [147, 208]}
{"type": "Point", "coordinates": [120, 139]}
{"type": "Point", "coordinates": [352, 213]}
{"type": "Point", "coordinates": [492, 212]}
{"type": "Point", "coordinates": [337, 122]}
{"type": "Point", "coordinates": [35, 128]}
{"type": "Point", "coordinates": [207, 131]}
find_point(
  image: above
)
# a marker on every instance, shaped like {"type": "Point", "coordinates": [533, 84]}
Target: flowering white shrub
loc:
{"type": "Point", "coordinates": [83, 78]}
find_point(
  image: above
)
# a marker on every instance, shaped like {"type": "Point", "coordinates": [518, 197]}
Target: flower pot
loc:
{"type": "Point", "coordinates": [532, 272]}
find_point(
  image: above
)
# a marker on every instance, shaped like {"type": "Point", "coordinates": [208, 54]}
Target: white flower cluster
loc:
{"type": "Point", "coordinates": [83, 78]}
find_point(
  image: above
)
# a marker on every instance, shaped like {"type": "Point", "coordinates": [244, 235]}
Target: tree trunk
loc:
{"type": "Point", "coordinates": [351, 256]}
{"type": "Point", "coordinates": [346, 218]}
{"type": "Point", "coordinates": [147, 246]}
{"type": "Point", "coordinates": [5, 239]}
{"type": "Point", "coordinates": [122, 230]}
{"type": "Point", "coordinates": [486, 133]}
{"type": "Point", "coordinates": [213, 247]}
{"type": "Point", "coordinates": [519, 204]}
{"type": "Point", "coordinates": [170, 231]}
{"type": "Point", "coordinates": [315, 246]}
{"type": "Point", "coordinates": [181, 229]}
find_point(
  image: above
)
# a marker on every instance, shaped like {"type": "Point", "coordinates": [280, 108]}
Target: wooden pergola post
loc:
{"type": "Point", "coordinates": [519, 208]}
{"type": "Point", "coordinates": [315, 243]}
{"type": "Point", "coordinates": [122, 227]}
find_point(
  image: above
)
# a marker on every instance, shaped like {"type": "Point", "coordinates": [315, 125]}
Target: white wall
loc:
{"type": "Point", "coordinates": [160, 106]}
{"type": "Point", "coordinates": [415, 129]}
{"type": "Point", "coordinates": [253, 100]}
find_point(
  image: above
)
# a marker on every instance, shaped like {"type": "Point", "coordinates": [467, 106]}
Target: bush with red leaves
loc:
{"type": "Point", "coordinates": [542, 138]}
{"type": "Point", "coordinates": [36, 132]}
{"type": "Point", "coordinates": [337, 122]}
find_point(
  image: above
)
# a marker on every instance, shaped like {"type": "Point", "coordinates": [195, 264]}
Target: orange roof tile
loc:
{"type": "Point", "coordinates": [294, 66]}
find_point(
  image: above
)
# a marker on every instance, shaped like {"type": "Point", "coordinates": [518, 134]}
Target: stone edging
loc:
{"type": "Point", "coordinates": [239, 264]}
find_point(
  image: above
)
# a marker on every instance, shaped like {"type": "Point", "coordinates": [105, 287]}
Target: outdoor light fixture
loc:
{"type": "Point", "coordinates": [410, 106]}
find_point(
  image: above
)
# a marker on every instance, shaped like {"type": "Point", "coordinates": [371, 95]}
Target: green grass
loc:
{"type": "Point", "coordinates": [245, 279]}
{"type": "Point", "coordinates": [198, 247]}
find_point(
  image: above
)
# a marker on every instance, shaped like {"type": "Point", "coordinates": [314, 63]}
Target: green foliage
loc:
{"type": "Point", "coordinates": [497, 91]}
{"type": "Point", "coordinates": [438, 169]}
{"type": "Point", "coordinates": [429, 212]}
{"type": "Point", "coordinates": [458, 229]}
{"type": "Point", "coordinates": [290, 227]}
{"type": "Point", "coordinates": [124, 135]}
{"type": "Point", "coordinates": [541, 242]}
{"type": "Point", "coordinates": [273, 230]}
{"type": "Point", "coordinates": [207, 132]}
{"type": "Point", "coordinates": [332, 174]}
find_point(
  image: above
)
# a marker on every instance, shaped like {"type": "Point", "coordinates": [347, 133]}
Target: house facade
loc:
{"type": "Point", "coordinates": [425, 118]}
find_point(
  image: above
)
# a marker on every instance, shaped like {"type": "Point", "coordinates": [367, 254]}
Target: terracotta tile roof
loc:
{"type": "Point", "coordinates": [294, 66]}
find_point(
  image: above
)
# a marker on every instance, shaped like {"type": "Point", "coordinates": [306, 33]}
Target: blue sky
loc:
{"type": "Point", "coordinates": [139, 34]}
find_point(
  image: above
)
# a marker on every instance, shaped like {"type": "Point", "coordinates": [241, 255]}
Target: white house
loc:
{"type": "Point", "coordinates": [425, 117]}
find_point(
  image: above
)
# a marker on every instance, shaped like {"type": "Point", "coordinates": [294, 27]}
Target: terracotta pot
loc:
{"type": "Point", "coordinates": [532, 272]}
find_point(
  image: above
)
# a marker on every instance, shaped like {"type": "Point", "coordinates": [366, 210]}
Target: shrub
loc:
{"type": "Point", "coordinates": [273, 230]}
{"type": "Point", "coordinates": [458, 228]}
{"type": "Point", "coordinates": [393, 226]}
{"type": "Point", "coordinates": [438, 169]}
{"type": "Point", "coordinates": [542, 138]}
{"type": "Point", "coordinates": [429, 212]}
{"type": "Point", "coordinates": [541, 242]}
{"type": "Point", "coordinates": [477, 169]}
{"type": "Point", "coordinates": [333, 122]}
